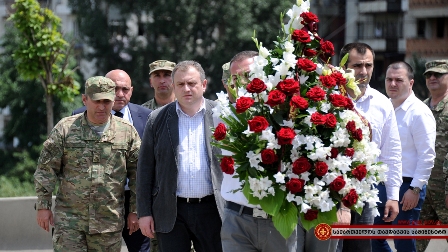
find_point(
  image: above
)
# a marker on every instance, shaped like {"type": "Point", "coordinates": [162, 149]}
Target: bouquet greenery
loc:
{"type": "Point", "coordinates": [298, 145]}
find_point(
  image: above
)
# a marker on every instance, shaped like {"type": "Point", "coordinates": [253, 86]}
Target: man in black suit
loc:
{"type": "Point", "coordinates": [179, 176]}
{"type": "Point", "coordinates": [137, 115]}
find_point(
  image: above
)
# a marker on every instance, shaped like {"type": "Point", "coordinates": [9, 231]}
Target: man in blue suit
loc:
{"type": "Point", "coordinates": [137, 115]}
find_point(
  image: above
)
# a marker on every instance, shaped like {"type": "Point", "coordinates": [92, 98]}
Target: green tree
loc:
{"type": "Point", "coordinates": [210, 32]}
{"type": "Point", "coordinates": [419, 88]}
{"type": "Point", "coordinates": [43, 54]}
{"type": "Point", "coordinates": [25, 130]}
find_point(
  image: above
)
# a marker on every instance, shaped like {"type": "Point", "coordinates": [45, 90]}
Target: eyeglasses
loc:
{"type": "Point", "coordinates": [437, 75]}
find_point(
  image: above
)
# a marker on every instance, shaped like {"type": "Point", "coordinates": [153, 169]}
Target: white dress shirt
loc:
{"type": "Point", "coordinates": [417, 128]}
{"type": "Point", "coordinates": [194, 176]}
{"type": "Point", "coordinates": [379, 111]}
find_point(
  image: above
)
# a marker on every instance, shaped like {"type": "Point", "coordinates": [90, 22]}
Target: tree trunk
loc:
{"type": "Point", "coordinates": [50, 122]}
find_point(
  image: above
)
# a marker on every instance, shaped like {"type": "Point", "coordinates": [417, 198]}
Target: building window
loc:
{"type": "Point", "coordinates": [360, 30]}
{"type": "Point", "coordinates": [440, 28]}
{"type": "Point", "coordinates": [421, 28]}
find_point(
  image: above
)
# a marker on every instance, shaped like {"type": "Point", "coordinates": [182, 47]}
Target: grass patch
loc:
{"type": "Point", "coordinates": [13, 187]}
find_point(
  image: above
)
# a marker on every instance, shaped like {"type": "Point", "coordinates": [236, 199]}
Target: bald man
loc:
{"type": "Point", "coordinates": [137, 115]}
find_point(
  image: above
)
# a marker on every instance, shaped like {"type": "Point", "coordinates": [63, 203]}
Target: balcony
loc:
{"type": "Point", "coordinates": [380, 6]}
{"type": "Point", "coordinates": [427, 48]}
{"type": "Point", "coordinates": [415, 4]}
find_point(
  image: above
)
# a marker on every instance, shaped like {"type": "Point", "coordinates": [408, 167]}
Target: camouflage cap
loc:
{"type": "Point", "coordinates": [437, 66]}
{"type": "Point", "coordinates": [99, 87]}
{"type": "Point", "coordinates": [225, 71]}
{"type": "Point", "coordinates": [161, 65]}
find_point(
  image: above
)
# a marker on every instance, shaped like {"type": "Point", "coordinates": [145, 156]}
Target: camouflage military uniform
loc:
{"type": "Point", "coordinates": [91, 172]}
{"type": "Point", "coordinates": [433, 208]}
{"type": "Point", "coordinates": [151, 104]}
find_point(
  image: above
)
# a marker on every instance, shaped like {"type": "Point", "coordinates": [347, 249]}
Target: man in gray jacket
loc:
{"type": "Point", "coordinates": [179, 177]}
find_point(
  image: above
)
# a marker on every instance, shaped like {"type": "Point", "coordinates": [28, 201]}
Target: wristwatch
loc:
{"type": "Point", "coordinates": [415, 190]}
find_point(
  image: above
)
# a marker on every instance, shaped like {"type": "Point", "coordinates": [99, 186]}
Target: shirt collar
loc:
{"type": "Point", "coordinates": [124, 110]}
{"type": "Point", "coordinates": [179, 109]}
{"type": "Point", "coordinates": [407, 103]}
{"type": "Point", "coordinates": [367, 95]}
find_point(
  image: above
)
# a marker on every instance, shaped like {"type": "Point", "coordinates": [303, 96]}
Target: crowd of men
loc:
{"type": "Point", "coordinates": [179, 193]}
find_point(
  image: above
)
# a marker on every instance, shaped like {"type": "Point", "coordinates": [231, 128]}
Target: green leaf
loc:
{"type": "Point", "coordinates": [329, 217]}
{"type": "Point", "coordinates": [286, 220]}
{"type": "Point", "coordinates": [272, 204]}
{"type": "Point", "coordinates": [344, 60]}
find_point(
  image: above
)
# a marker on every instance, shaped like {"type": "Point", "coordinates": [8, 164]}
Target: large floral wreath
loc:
{"type": "Point", "coordinates": [299, 146]}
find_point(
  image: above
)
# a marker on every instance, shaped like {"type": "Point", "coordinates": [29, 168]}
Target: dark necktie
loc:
{"type": "Point", "coordinates": [119, 114]}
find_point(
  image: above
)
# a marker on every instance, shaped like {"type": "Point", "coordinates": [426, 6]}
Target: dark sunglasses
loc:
{"type": "Point", "coordinates": [429, 74]}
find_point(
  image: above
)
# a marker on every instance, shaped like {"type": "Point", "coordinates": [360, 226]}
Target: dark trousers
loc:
{"type": "Point", "coordinates": [199, 223]}
{"type": "Point", "coordinates": [409, 217]}
{"type": "Point", "coordinates": [352, 245]}
{"type": "Point", "coordinates": [136, 242]}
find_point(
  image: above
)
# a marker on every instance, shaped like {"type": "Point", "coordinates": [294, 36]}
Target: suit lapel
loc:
{"type": "Point", "coordinates": [208, 122]}
{"type": "Point", "coordinates": [172, 124]}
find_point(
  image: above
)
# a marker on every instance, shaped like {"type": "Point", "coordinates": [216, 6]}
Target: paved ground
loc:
{"type": "Point", "coordinates": [438, 245]}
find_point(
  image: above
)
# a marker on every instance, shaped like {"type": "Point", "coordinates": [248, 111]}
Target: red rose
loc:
{"type": "Point", "coordinates": [337, 184]}
{"type": "Point", "coordinates": [350, 199]}
{"type": "Point", "coordinates": [321, 168]}
{"type": "Point", "coordinates": [268, 156]}
{"type": "Point", "coordinates": [298, 102]}
{"type": "Point", "coordinates": [349, 103]}
{"type": "Point", "coordinates": [220, 132]}
{"type": "Point", "coordinates": [311, 214]}
{"type": "Point", "coordinates": [301, 165]}
{"type": "Point", "coordinates": [275, 98]}
{"type": "Point", "coordinates": [309, 52]}
{"type": "Point", "coordinates": [349, 152]}
{"type": "Point", "coordinates": [330, 121]}
{"type": "Point", "coordinates": [288, 86]}
{"type": "Point", "coordinates": [334, 152]}
{"type": "Point", "coordinates": [360, 172]}
{"type": "Point", "coordinates": [306, 65]}
{"type": "Point", "coordinates": [227, 165]}
{"type": "Point", "coordinates": [351, 126]}
{"type": "Point", "coordinates": [309, 17]}
{"type": "Point", "coordinates": [258, 124]}
{"type": "Point", "coordinates": [357, 134]}
{"type": "Point", "coordinates": [295, 185]}
{"type": "Point", "coordinates": [327, 81]}
{"type": "Point", "coordinates": [338, 100]}
{"type": "Point", "coordinates": [285, 136]}
{"type": "Point", "coordinates": [243, 103]}
{"type": "Point", "coordinates": [301, 36]}
{"type": "Point", "coordinates": [256, 86]}
{"type": "Point", "coordinates": [316, 94]}
{"type": "Point", "coordinates": [340, 80]}
{"type": "Point", "coordinates": [327, 48]}
{"type": "Point", "coordinates": [318, 119]}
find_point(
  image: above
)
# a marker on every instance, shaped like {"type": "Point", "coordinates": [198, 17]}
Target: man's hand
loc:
{"type": "Point", "coordinates": [147, 226]}
{"type": "Point", "coordinates": [409, 200]}
{"type": "Point", "coordinates": [390, 210]}
{"type": "Point", "coordinates": [45, 219]}
{"type": "Point", "coordinates": [132, 223]}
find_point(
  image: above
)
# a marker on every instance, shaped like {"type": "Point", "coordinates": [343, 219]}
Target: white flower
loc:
{"type": "Point", "coordinates": [248, 132]}
{"type": "Point", "coordinates": [325, 107]}
{"type": "Point", "coordinates": [263, 52]}
{"type": "Point", "coordinates": [305, 208]}
{"type": "Point", "coordinates": [289, 47]}
{"type": "Point", "coordinates": [254, 159]}
{"type": "Point", "coordinates": [288, 123]}
{"type": "Point", "coordinates": [305, 176]}
{"type": "Point", "coordinates": [282, 68]}
{"type": "Point", "coordinates": [290, 59]}
{"type": "Point", "coordinates": [303, 78]}
{"type": "Point", "coordinates": [279, 178]}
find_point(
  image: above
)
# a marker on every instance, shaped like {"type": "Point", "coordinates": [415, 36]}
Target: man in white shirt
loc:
{"type": "Point", "coordinates": [378, 110]}
{"type": "Point", "coordinates": [417, 128]}
{"type": "Point", "coordinates": [246, 227]}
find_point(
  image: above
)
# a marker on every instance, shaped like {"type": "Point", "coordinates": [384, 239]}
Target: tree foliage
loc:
{"type": "Point", "coordinates": [131, 34]}
{"type": "Point", "coordinates": [42, 53]}
{"type": "Point", "coordinates": [419, 88]}
{"type": "Point", "coordinates": [25, 130]}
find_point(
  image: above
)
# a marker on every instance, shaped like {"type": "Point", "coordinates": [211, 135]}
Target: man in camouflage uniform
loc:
{"type": "Point", "coordinates": [88, 156]}
{"type": "Point", "coordinates": [162, 82]}
{"type": "Point", "coordinates": [434, 208]}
